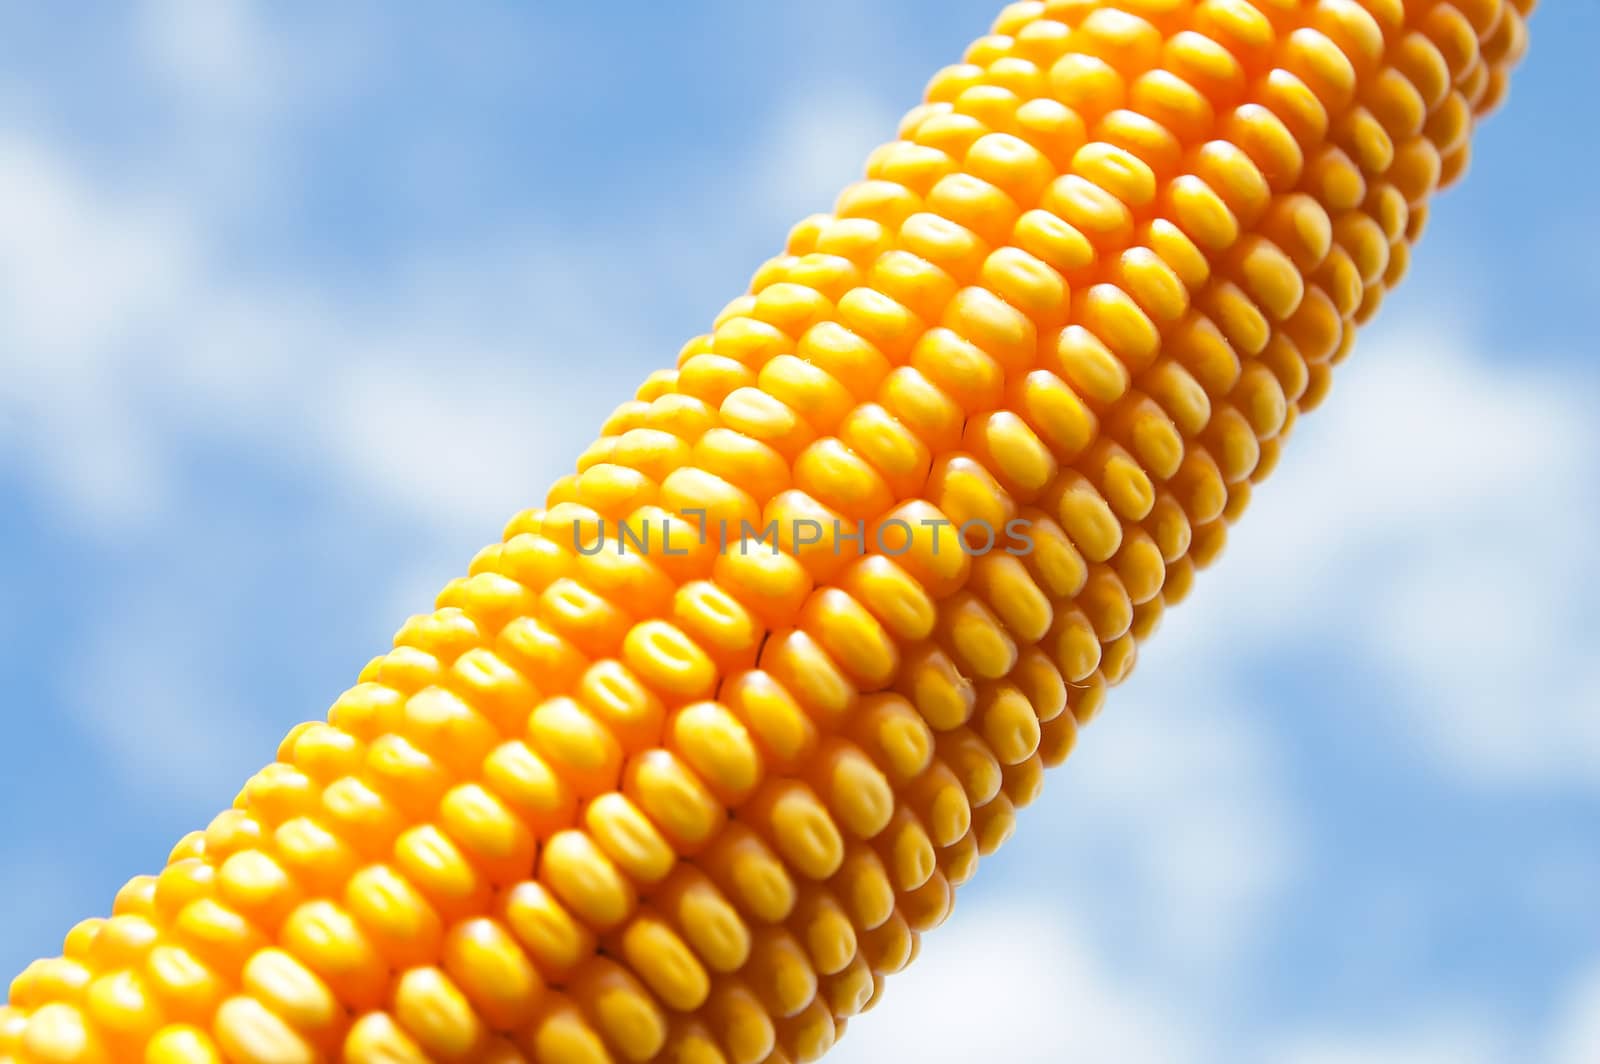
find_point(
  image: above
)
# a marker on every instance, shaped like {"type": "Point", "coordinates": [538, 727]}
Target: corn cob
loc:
{"type": "Point", "coordinates": [694, 801]}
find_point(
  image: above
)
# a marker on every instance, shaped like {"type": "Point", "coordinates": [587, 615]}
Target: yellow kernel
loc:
{"type": "Point", "coordinates": [1093, 211]}
{"type": "Point", "coordinates": [1118, 171]}
{"type": "Point", "coordinates": [1003, 582]}
{"type": "Point", "coordinates": [1000, 330]}
{"type": "Point", "coordinates": [1178, 252]}
{"type": "Point", "coordinates": [1041, 684]}
{"type": "Point", "coordinates": [976, 204]}
{"type": "Point", "coordinates": [1112, 315]}
{"type": "Point", "coordinates": [994, 823]}
{"type": "Point", "coordinates": [889, 946]}
{"type": "Point", "coordinates": [1088, 85]}
{"type": "Point", "coordinates": [823, 927]}
{"type": "Point", "coordinates": [1055, 242]}
{"type": "Point", "coordinates": [798, 826]}
{"type": "Point", "coordinates": [774, 718]}
{"type": "Point", "coordinates": [942, 695]}
{"type": "Point", "coordinates": [1174, 103]}
{"type": "Point", "coordinates": [959, 863]}
{"type": "Point", "coordinates": [928, 906]}
{"type": "Point", "coordinates": [1085, 362]}
{"type": "Point", "coordinates": [627, 1017]}
{"type": "Point", "coordinates": [993, 105]}
{"type": "Point", "coordinates": [1054, 561]}
{"type": "Point", "coordinates": [577, 613]}
{"type": "Point", "coordinates": [816, 398]}
{"type": "Point", "coordinates": [895, 452]}
{"type": "Point", "coordinates": [941, 804]}
{"type": "Point", "coordinates": [716, 620]}
{"type": "Point", "coordinates": [771, 584]}
{"type": "Point", "coordinates": [852, 636]}
{"type": "Point", "coordinates": [48, 979]}
{"type": "Point", "coordinates": [844, 356]}
{"type": "Point", "coordinates": [489, 832]}
{"type": "Point", "coordinates": [966, 753]}
{"type": "Point", "coordinates": [493, 973]}
{"type": "Point", "coordinates": [1154, 285]}
{"type": "Point", "coordinates": [665, 963]}
{"type": "Point", "coordinates": [1015, 74]}
{"type": "Point", "coordinates": [1056, 411]}
{"type": "Point", "coordinates": [399, 920]}
{"type": "Point", "coordinates": [181, 1044]}
{"type": "Point", "coordinates": [705, 919]}
{"type": "Point", "coordinates": [556, 941]}
{"type": "Point", "coordinates": [376, 1037]}
{"type": "Point", "coordinates": [1087, 518]}
{"type": "Point", "coordinates": [863, 888]}
{"type": "Point", "coordinates": [668, 660]}
{"type": "Point", "coordinates": [892, 595]}
{"type": "Point", "coordinates": [246, 1031]}
{"type": "Point", "coordinates": [1140, 566]}
{"type": "Point", "coordinates": [580, 874]}
{"type": "Point", "coordinates": [1005, 444]}
{"type": "Point", "coordinates": [1205, 64]}
{"type": "Point", "coordinates": [960, 369]}
{"type": "Point", "coordinates": [952, 247]}
{"type": "Point", "coordinates": [434, 1011]}
{"type": "Point", "coordinates": [1012, 164]}
{"type": "Point", "coordinates": [1027, 283]}
{"type": "Point", "coordinates": [801, 664]}
{"type": "Point", "coordinates": [1073, 644]}
{"type": "Point", "coordinates": [780, 973]}
{"type": "Point", "coordinates": [719, 748]}
{"type": "Point", "coordinates": [222, 937]}
{"type": "Point", "coordinates": [121, 1007]}
{"type": "Point", "coordinates": [629, 838]}
{"type": "Point", "coordinates": [1024, 781]}
{"type": "Point", "coordinates": [431, 860]}
{"type": "Point", "coordinates": [842, 480]}
{"type": "Point", "coordinates": [746, 1026]}
{"type": "Point", "coordinates": [292, 992]}
{"type": "Point", "coordinates": [975, 637]}
{"type": "Point", "coordinates": [712, 377]}
{"type": "Point", "coordinates": [587, 755]}
{"type": "Point", "coordinates": [189, 991]}
{"type": "Point", "coordinates": [855, 791]}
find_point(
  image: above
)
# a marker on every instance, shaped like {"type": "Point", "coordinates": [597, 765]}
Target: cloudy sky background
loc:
{"type": "Point", "coordinates": [296, 306]}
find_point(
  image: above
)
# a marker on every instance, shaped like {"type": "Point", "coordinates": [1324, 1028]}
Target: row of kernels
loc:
{"type": "Point", "coordinates": [1263, 424]}
{"type": "Point", "coordinates": [823, 866]}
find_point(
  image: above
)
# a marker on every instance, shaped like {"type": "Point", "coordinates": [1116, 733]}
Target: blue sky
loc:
{"type": "Point", "coordinates": [296, 306]}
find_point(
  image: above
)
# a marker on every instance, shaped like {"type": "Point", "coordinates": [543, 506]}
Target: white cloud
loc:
{"type": "Point", "coordinates": [132, 332]}
{"type": "Point", "coordinates": [819, 143]}
{"type": "Point", "coordinates": [1014, 983]}
{"type": "Point", "coordinates": [215, 53]}
{"type": "Point", "coordinates": [1434, 520]}
{"type": "Point", "coordinates": [1451, 1040]}
{"type": "Point", "coordinates": [82, 280]}
{"type": "Point", "coordinates": [459, 448]}
{"type": "Point", "coordinates": [148, 695]}
{"type": "Point", "coordinates": [1177, 794]}
{"type": "Point", "coordinates": [125, 338]}
{"type": "Point", "coordinates": [1576, 1039]}
{"type": "Point", "coordinates": [79, 272]}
